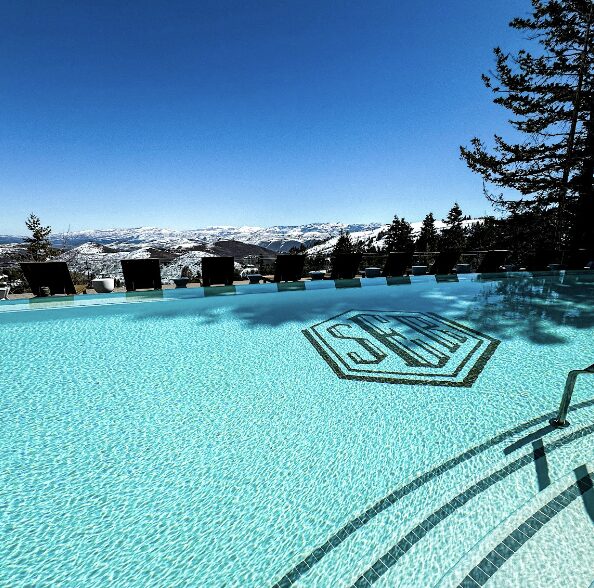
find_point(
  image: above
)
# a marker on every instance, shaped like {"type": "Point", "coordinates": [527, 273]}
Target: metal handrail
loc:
{"type": "Point", "coordinates": [561, 420]}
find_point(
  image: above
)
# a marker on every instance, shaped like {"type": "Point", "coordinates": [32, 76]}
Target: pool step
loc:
{"type": "Point", "coordinates": [425, 548]}
{"type": "Point", "coordinates": [482, 506]}
{"type": "Point", "coordinates": [547, 539]}
{"type": "Point", "coordinates": [419, 532]}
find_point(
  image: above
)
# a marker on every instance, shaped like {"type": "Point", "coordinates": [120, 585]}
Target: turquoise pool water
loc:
{"type": "Point", "coordinates": [211, 442]}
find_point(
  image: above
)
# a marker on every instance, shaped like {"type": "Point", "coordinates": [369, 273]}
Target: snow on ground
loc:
{"type": "Point", "coordinates": [96, 258]}
{"type": "Point", "coordinates": [192, 259]}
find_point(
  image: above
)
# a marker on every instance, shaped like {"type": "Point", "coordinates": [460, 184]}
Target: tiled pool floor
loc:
{"type": "Point", "coordinates": [182, 441]}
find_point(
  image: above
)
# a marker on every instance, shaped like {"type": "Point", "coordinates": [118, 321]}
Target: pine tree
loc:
{"type": "Point", "coordinates": [485, 234]}
{"type": "Point", "coordinates": [399, 236]}
{"type": "Point", "coordinates": [344, 243]}
{"type": "Point", "coordinates": [550, 94]}
{"type": "Point", "coordinates": [427, 239]}
{"type": "Point", "coordinates": [453, 236]}
{"type": "Point", "coordinates": [39, 246]}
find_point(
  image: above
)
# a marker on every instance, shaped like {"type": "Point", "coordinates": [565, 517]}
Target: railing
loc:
{"type": "Point", "coordinates": [561, 420]}
{"type": "Point", "coordinates": [323, 262]}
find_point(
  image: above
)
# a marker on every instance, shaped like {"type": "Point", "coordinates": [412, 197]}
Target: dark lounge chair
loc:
{"type": "Point", "coordinates": [540, 260]}
{"type": "Point", "coordinates": [493, 261]}
{"type": "Point", "coordinates": [48, 274]}
{"type": "Point", "coordinates": [345, 266]}
{"type": "Point", "coordinates": [445, 262]}
{"type": "Point", "coordinates": [218, 270]}
{"type": "Point", "coordinates": [288, 268]}
{"type": "Point", "coordinates": [142, 274]}
{"type": "Point", "coordinates": [579, 259]}
{"type": "Point", "coordinates": [397, 263]}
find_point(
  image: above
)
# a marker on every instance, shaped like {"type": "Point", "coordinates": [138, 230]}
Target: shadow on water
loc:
{"type": "Point", "coordinates": [254, 311]}
{"type": "Point", "coordinates": [586, 489]}
{"type": "Point", "coordinates": [531, 438]}
{"type": "Point", "coordinates": [542, 467]}
{"type": "Point", "coordinates": [533, 309]}
{"type": "Point", "coordinates": [529, 308]}
{"type": "Point", "coordinates": [276, 310]}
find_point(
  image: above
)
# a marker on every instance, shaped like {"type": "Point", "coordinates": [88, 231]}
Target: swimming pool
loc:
{"type": "Point", "coordinates": [391, 435]}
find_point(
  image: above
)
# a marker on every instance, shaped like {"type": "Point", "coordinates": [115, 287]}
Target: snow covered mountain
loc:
{"type": "Point", "coordinates": [277, 238]}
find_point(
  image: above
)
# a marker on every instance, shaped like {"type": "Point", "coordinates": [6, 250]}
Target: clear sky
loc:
{"type": "Point", "coordinates": [184, 114]}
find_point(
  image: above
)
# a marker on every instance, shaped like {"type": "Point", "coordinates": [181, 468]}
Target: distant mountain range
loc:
{"type": "Point", "coordinates": [277, 238]}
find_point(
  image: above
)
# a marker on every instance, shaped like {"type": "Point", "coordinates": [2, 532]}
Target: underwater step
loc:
{"type": "Point", "coordinates": [557, 522]}
{"type": "Point", "coordinates": [401, 535]}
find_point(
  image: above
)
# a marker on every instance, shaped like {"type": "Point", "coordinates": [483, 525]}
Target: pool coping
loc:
{"type": "Point", "coordinates": [79, 300]}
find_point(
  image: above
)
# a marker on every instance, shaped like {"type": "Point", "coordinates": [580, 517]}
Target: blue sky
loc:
{"type": "Point", "coordinates": [259, 112]}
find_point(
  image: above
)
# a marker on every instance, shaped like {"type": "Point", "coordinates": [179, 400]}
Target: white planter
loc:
{"type": "Point", "coordinates": [103, 285]}
{"type": "Point", "coordinates": [4, 290]}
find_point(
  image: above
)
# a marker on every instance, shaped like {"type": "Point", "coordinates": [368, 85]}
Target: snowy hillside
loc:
{"type": "Point", "coordinates": [327, 246]}
{"type": "Point", "coordinates": [101, 259]}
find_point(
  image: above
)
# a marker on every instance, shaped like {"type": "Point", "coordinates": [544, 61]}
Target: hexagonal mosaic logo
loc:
{"type": "Point", "coordinates": [401, 347]}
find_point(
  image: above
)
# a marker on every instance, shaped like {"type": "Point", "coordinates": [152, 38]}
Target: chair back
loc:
{"type": "Point", "coordinates": [492, 261]}
{"type": "Point", "coordinates": [539, 260]}
{"type": "Point", "coordinates": [578, 259]}
{"type": "Point", "coordinates": [288, 268]}
{"type": "Point", "coordinates": [142, 274]}
{"type": "Point", "coordinates": [345, 266]}
{"type": "Point", "coordinates": [51, 274]}
{"type": "Point", "coordinates": [397, 263]}
{"type": "Point", "coordinates": [445, 262]}
{"type": "Point", "coordinates": [218, 270]}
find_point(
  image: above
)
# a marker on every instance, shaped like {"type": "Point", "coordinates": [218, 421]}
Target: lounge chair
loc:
{"type": "Point", "coordinates": [445, 262]}
{"type": "Point", "coordinates": [397, 263]}
{"type": "Point", "coordinates": [540, 260]}
{"type": "Point", "coordinates": [218, 270]}
{"type": "Point", "coordinates": [288, 268]}
{"type": "Point", "coordinates": [579, 259]}
{"type": "Point", "coordinates": [4, 287]}
{"type": "Point", "coordinates": [142, 274]}
{"type": "Point", "coordinates": [48, 274]}
{"type": "Point", "coordinates": [345, 266]}
{"type": "Point", "coordinates": [493, 261]}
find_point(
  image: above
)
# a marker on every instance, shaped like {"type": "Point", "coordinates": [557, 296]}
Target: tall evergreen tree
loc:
{"type": "Point", "coordinates": [550, 94]}
{"type": "Point", "coordinates": [344, 243]}
{"type": "Point", "coordinates": [453, 235]}
{"type": "Point", "coordinates": [399, 236]}
{"type": "Point", "coordinates": [39, 246]}
{"type": "Point", "coordinates": [488, 233]}
{"type": "Point", "coordinates": [427, 239]}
